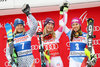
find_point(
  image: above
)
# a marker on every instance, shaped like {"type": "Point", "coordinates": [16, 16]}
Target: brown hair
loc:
{"type": "Point", "coordinates": [73, 34]}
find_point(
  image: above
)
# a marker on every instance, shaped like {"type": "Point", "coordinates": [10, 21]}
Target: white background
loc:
{"type": "Point", "coordinates": [37, 3]}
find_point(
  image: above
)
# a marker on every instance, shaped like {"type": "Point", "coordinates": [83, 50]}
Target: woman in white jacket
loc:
{"type": "Point", "coordinates": [51, 37]}
{"type": "Point", "coordinates": [78, 42]}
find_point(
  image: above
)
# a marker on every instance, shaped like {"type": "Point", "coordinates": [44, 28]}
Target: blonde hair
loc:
{"type": "Point", "coordinates": [15, 32]}
{"type": "Point", "coordinates": [45, 32]}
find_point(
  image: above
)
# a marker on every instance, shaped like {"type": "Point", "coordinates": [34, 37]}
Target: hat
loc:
{"type": "Point", "coordinates": [18, 21]}
{"type": "Point", "coordinates": [49, 20]}
{"type": "Point", "coordinates": [76, 20]}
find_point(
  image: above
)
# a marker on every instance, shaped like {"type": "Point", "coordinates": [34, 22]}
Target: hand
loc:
{"type": "Point", "coordinates": [26, 9]}
{"type": "Point", "coordinates": [64, 7]}
{"type": "Point", "coordinates": [93, 60]}
{"type": "Point", "coordinates": [10, 61]}
{"type": "Point", "coordinates": [14, 65]}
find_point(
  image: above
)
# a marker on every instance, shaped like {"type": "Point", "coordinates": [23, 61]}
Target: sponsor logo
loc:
{"type": "Point", "coordinates": [25, 52]}
{"type": "Point", "coordinates": [68, 45]}
{"type": "Point", "coordinates": [96, 42]}
{"type": "Point", "coordinates": [90, 30]}
{"type": "Point", "coordinates": [75, 20]}
{"type": "Point", "coordinates": [51, 46]}
{"type": "Point", "coordinates": [77, 53]}
{"type": "Point", "coordinates": [79, 39]}
{"type": "Point", "coordinates": [7, 64]}
{"type": "Point", "coordinates": [20, 39]}
{"type": "Point", "coordinates": [98, 55]}
{"type": "Point", "coordinates": [1, 25]}
{"type": "Point", "coordinates": [37, 60]}
{"type": "Point", "coordinates": [96, 28]}
{"type": "Point", "coordinates": [35, 47]}
{"type": "Point", "coordinates": [51, 21]}
{"type": "Point", "coordinates": [89, 42]}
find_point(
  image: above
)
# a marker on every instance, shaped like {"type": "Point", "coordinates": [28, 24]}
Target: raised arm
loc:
{"type": "Point", "coordinates": [32, 22]}
{"type": "Point", "coordinates": [62, 20]}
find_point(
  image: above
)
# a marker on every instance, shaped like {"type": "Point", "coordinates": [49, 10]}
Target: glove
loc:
{"type": "Point", "coordinates": [14, 65]}
{"type": "Point", "coordinates": [10, 61]}
{"type": "Point", "coordinates": [26, 9]}
{"type": "Point", "coordinates": [92, 57]}
{"type": "Point", "coordinates": [47, 55]}
{"type": "Point", "coordinates": [93, 60]}
{"type": "Point", "coordinates": [64, 7]}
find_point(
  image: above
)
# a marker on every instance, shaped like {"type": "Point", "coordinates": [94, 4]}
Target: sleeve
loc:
{"type": "Point", "coordinates": [67, 31]}
{"type": "Point", "coordinates": [32, 23]}
{"type": "Point", "coordinates": [8, 53]}
{"type": "Point", "coordinates": [62, 23]}
{"type": "Point", "coordinates": [65, 28]}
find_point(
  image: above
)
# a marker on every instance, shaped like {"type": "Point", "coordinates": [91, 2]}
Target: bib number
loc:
{"type": "Point", "coordinates": [22, 45]}
{"type": "Point", "coordinates": [77, 46]}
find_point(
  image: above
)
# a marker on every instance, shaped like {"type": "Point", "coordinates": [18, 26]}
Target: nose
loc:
{"type": "Point", "coordinates": [51, 25]}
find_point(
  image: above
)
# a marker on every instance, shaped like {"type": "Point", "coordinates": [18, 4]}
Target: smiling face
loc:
{"type": "Point", "coordinates": [49, 27]}
{"type": "Point", "coordinates": [75, 26]}
{"type": "Point", "coordinates": [19, 28]}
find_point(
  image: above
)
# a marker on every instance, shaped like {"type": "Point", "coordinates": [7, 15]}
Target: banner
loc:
{"type": "Point", "coordinates": [6, 4]}
{"type": "Point", "coordinates": [64, 41]}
